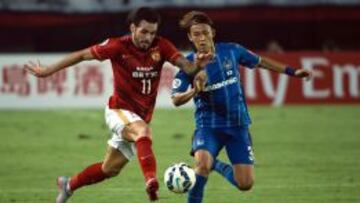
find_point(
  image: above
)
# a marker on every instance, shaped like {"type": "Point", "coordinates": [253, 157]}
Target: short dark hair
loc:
{"type": "Point", "coordinates": [193, 18]}
{"type": "Point", "coordinates": [143, 13]}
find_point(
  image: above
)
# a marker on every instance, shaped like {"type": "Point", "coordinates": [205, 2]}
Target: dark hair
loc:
{"type": "Point", "coordinates": [143, 13]}
{"type": "Point", "coordinates": [193, 18]}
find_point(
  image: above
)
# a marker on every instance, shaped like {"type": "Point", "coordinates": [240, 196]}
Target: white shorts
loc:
{"type": "Point", "coordinates": [116, 120]}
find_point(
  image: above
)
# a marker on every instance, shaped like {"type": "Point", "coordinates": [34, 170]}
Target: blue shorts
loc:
{"type": "Point", "coordinates": [236, 141]}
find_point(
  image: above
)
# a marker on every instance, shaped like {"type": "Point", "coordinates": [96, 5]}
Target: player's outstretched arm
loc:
{"type": "Point", "coordinates": [179, 99]}
{"type": "Point", "coordinates": [195, 68]}
{"type": "Point", "coordinates": [40, 70]}
{"type": "Point", "coordinates": [276, 66]}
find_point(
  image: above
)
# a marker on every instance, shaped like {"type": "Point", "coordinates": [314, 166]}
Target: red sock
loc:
{"type": "Point", "coordinates": [90, 175]}
{"type": "Point", "coordinates": [146, 157]}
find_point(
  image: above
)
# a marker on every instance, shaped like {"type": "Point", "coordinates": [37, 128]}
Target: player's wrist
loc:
{"type": "Point", "coordinates": [290, 71]}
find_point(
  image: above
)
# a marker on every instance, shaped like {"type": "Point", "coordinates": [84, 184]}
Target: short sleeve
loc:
{"type": "Point", "coordinates": [180, 83]}
{"type": "Point", "coordinates": [168, 50]}
{"type": "Point", "coordinates": [106, 50]}
{"type": "Point", "coordinates": [246, 57]}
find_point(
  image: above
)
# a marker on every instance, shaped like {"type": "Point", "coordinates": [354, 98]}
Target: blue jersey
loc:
{"type": "Point", "coordinates": [222, 104]}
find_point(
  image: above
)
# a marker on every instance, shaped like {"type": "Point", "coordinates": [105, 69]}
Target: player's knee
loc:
{"type": "Point", "coordinates": [111, 171]}
{"type": "Point", "coordinates": [244, 184]}
{"type": "Point", "coordinates": [144, 131]}
{"type": "Point", "coordinates": [202, 169]}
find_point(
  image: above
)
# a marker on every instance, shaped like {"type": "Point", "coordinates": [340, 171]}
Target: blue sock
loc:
{"type": "Point", "coordinates": [196, 193]}
{"type": "Point", "coordinates": [225, 170]}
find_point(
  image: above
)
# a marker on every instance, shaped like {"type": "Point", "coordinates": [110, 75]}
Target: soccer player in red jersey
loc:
{"type": "Point", "coordinates": [137, 60]}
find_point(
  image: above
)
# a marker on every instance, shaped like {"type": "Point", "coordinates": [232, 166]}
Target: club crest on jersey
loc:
{"type": "Point", "coordinates": [155, 55]}
{"type": "Point", "coordinates": [227, 63]}
{"type": "Point", "coordinates": [176, 83]}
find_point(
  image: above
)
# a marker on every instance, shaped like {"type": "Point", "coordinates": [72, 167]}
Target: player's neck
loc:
{"type": "Point", "coordinates": [133, 41]}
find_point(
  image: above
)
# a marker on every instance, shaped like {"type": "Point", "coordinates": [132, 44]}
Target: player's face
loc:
{"type": "Point", "coordinates": [143, 35]}
{"type": "Point", "coordinates": [202, 36]}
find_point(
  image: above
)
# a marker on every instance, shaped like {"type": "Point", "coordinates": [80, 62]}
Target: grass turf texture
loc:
{"type": "Point", "coordinates": [303, 154]}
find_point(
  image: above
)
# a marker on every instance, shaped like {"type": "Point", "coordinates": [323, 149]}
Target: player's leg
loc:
{"type": "Point", "coordinates": [244, 176]}
{"type": "Point", "coordinates": [140, 133]}
{"type": "Point", "coordinates": [227, 170]}
{"type": "Point", "coordinates": [132, 128]}
{"type": "Point", "coordinates": [113, 162]}
{"type": "Point", "coordinates": [206, 147]}
{"type": "Point", "coordinates": [240, 153]}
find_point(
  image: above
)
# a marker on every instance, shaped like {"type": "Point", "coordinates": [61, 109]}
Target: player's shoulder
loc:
{"type": "Point", "coordinates": [125, 39]}
{"type": "Point", "coordinates": [116, 40]}
{"type": "Point", "coordinates": [228, 45]}
{"type": "Point", "coordinates": [162, 40]}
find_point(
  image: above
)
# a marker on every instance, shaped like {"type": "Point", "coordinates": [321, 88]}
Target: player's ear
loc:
{"type": "Point", "coordinates": [213, 32]}
{"type": "Point", "coordinates": [189, 36]}
{"type": "Point", "coordinates": [132, 27]}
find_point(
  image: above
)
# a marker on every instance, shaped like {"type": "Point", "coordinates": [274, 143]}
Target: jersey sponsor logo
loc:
{"type": "Point", "coordinates": [221, 84]}
{"type": "Point", "coordinates": [145, 72]}
{"type": "Point", "coordinates": [155, 55]}
{"type": "Point", "coordinates": [176, 83]}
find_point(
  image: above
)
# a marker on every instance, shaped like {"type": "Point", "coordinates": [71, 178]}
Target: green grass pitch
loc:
{"type": "Point", "coordinates": [304, 154]}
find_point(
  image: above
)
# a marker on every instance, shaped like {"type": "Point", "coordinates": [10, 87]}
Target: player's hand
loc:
{"type": "Point", "coordinates": [37, 69]}
{"type": "Point", "coordinates": [303, 73]}
{"type": "Point", "coordinates": [202, 59]}
{"type": "Point", "coordinates": [200, 81]}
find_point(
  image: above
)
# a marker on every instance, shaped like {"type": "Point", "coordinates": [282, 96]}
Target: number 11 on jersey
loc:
{"type": "Point", "coordinates": [146, 86]}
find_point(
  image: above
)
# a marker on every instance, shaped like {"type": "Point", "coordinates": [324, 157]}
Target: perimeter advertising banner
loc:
{"type": "Point", "coordinates": [336, 81]}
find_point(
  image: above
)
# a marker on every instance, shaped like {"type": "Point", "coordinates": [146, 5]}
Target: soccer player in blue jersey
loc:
{"type": "Point", "coordinates": [222, 118]}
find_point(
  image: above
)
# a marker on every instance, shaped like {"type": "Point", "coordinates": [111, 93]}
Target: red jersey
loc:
{"type": "Point", "coordinates": [136, 72]}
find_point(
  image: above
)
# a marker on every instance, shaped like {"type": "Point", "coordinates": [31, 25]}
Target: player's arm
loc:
{"type": "Point", "coordinates": [181, 98]}
{"type": "Point", "coordinates": [41, 70]}
{"type": "Point", "coordinates": [276, 66]}
{"type": "Point", "coordinates": [194, 69]}
{"type": "Point", "coordinates": [181, 93]}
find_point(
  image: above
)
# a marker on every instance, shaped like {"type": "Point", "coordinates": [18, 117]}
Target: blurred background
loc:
{"type": "Point", "coordinates": [306, 133]}
{"type": "Point", "coordinates": [64, 25]}
{"type": "Point", "coordinates": [320, 35]}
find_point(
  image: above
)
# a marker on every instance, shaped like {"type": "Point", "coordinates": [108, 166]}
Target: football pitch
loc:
{"type": "Point", "coordinates": [304, 154]}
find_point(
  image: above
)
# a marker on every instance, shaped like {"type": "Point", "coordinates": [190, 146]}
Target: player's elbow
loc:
{"type": "Point", "coordinates": [85, 54]}
{"type": "Point", "coordinates": [176, 102]}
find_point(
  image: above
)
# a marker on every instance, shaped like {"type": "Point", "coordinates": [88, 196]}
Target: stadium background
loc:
{"type": "Point", "coordinates": [306, 134]}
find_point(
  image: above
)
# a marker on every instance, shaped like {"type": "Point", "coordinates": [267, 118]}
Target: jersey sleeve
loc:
{"type": "Point", "coordinates": [246, 57]}
{"type": "Point", "coordinates": [106, 50]}
{"type": "Point", "coordinates": [168, 50]}
{"type": "Point", "coordinates": [180, 83]}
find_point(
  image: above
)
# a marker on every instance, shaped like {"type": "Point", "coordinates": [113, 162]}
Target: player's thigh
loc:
{"type": "Point", "coordinates": [207, 139]}
{"type": "Point", "coordinates": [206, 145]}
{"type": "Point", "coordinates": [203, 162]}
{"type": "Point", "coordinates": [114, 161]}
{"type": "Point", "coordinates": [238, 146]}
{"type": "Point", "coordinates": [123, 122]}
{"type": "Point", "coordinates": [137, 129]}
{"type": "Point", "coordinates": [244, 175]}
{"type": "Point", "coordinates": [239, 151]}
